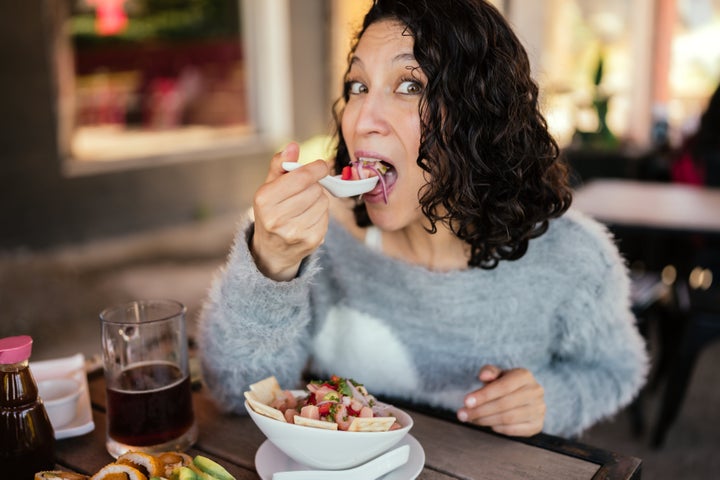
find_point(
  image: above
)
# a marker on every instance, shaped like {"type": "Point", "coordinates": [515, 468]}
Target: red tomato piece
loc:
{"type": "Point", "coordinates": [346, 173]}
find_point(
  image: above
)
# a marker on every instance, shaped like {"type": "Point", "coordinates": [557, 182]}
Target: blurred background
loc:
{"type": "Point", "coordinates": [135, 132]}
{"type": "Point", "coordinates": [127, 115]}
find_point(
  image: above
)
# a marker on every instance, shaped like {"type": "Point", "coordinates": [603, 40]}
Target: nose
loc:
{"type": "Point", "coordinates": [372, 114]}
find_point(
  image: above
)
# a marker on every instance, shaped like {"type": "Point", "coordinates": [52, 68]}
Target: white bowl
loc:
{"type": "Point", "coordinates": [60, 396]}
{"type": "Point", "coordinates": [330, 449]}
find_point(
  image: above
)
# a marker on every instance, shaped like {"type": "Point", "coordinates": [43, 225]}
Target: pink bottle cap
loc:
{"type": "Point", "coordinates": [15, 349]}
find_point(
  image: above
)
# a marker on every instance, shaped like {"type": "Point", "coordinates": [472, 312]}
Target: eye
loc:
{"type": "Point", "coordinates": [355, 87]}
{"type": "Point", "coordinates": [409, 87]}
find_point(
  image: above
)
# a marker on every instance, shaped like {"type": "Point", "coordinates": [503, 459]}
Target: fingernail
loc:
{"type": "Point", "coordinates": [470, 402]}
{"type": "Point", "coordinates": [462, 416]}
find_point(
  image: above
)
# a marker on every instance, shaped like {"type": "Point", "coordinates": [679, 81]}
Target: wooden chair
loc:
{"type": "Point", "coordinates": [699, 299]}
{"type": "Point", "coordinates": [649, 297]}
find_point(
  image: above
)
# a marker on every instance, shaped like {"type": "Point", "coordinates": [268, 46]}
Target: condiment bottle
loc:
{"type": "Point", "coordinates": [27, 439]}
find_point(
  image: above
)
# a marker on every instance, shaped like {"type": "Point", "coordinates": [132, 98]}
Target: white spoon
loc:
{"type": "Point", "coordinates": [371, 470]}
{"type": "Point", "coordinates": [336, 186]}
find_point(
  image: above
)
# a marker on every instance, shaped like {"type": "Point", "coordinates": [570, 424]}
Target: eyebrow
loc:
{"type": "Point", "coordinates": [404, 57]}
{"type": "Point", "coordinates": [399, 58]}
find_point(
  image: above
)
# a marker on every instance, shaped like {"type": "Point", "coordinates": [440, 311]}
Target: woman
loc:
{"type": "Point", "coordinates": [462, 284]}
{"type": "Point", "coordinates": [698, 159]}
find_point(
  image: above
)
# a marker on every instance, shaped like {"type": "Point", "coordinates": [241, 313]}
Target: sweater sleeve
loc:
{"type": "Point", "coordinates": [252, 327]}
{"type": "Point", "coordinates": [600, 361]}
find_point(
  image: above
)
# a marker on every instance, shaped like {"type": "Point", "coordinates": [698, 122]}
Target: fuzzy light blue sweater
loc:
{"type": "Point", "coordinates": [562, 311]}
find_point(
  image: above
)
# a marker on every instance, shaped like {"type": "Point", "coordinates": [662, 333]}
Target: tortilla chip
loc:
{"type": "Point", "coordinates": [371, 424]}
{"type": "Point", "coordinates": [266, 390]}
{"type": "Point", "coordinates": [263, 409]}
{"type": "Point", "coordinates": [309, 422]}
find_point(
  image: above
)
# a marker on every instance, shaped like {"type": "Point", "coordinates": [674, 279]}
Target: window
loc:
{"type": "Point", "coordinates": [694, 64]}
{"type": "Point", "coordinates": [610, 71]}
{"type": "Point", "coordinates": [166, 80]}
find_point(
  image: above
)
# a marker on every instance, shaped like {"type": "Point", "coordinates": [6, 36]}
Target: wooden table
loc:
{"type": "Point", "coordinates": [452, 450]}
{"type": "Point", "coordinates": [666, 207]}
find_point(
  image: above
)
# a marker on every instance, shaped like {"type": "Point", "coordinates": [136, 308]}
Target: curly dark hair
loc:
{"type": "Point", "coordinates": [496, 176]}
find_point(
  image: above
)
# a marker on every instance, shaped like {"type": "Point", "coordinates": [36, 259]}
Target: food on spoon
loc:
{"type": "Point", "coordinates": [380, 168]}
{"type": "Point", "coordinates": [334, 404]}
{"type": "Point", "coordinates": [364, 164]}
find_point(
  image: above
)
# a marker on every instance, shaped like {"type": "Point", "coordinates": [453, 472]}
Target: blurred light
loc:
{"type": "Point", "coordinates": [700, 278]}
{"type": "Point", "coordinates": [110, 17]}
{"type": "Point", "coordinates": [607, 25]}
{"type": "Point", "coordinates": [668, 274]}
{"type": "Point", "coordinates": [696, 13]}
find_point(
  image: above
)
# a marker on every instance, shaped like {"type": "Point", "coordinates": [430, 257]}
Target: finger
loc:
{"type": "Point", "coordinates": [285, 198]}
{"type": "Point", "coordinates": [294, 212]}
{"type": "Point", "coordinates": [290, 153]}
{"type": "Point", "coordinates": [520, 413]}
{"type": "Point", "coordinates": [501, 386]}
{"type": "Point", "coordinates": [528, 400]}
{"type": "Point", "coordinates": [291, 183]}
{"type": "Point", "coordinates": [306, 227]}
{"type": "Point", "coordinates": [312, 172]}
{"type": "Point", "coordinates": [527, 395]}
{"type": "Point", "coordinates": [488, 373]}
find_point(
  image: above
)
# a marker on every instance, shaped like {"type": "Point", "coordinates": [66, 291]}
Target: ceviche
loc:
{"type": "Point", "coordinates": [361, 169]}
{"type": "Point", "coordinates": [334, 404]}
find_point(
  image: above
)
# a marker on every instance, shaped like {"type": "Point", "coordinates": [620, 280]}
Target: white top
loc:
{"type": "Point", "coordinates": [373, 238]}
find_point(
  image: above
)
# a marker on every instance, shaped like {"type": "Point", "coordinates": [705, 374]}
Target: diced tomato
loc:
{"type": "Point", "coordinates": [346, 175]}
{"type": "Point", "coordinates": [324, 408]}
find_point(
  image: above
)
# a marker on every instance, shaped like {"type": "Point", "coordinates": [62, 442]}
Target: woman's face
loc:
{"type": "Point", "coordinates": [381, 120]}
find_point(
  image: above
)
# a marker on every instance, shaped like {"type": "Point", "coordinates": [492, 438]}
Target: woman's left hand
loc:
{"type": "Point", "coordinates": [511, 402]}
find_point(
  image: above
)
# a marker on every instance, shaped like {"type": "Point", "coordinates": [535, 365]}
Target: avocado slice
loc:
{"type": "Point", "coordinates": [212, 468]}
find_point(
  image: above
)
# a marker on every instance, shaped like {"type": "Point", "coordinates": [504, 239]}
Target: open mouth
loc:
{"type": "Point", "coordinates": [372, 167]}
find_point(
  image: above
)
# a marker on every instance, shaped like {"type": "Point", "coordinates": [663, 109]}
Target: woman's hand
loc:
{"type": "Point", "coordinates": [511, 402]}
{"type": "Point", "coordinates": [291, 216]}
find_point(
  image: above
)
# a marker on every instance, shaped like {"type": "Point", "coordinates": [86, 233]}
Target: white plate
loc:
{"type": "Point", "coordinates": [69, 367]}
{"type": "Point", "coordinates": [269, 459]}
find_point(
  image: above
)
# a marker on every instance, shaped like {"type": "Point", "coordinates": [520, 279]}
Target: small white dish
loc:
{"type": "Point", "coordinates": [60, 397]}
{"type": "Point", "coordinates": [69, 367]}
{"type": "Point", "coordinates": [269, 460]}
{"type": "Point", "coordinates": [337, 187]}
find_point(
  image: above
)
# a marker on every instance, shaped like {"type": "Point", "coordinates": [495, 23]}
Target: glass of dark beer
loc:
{"type": "Point", "coordinates": [145, 357]}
